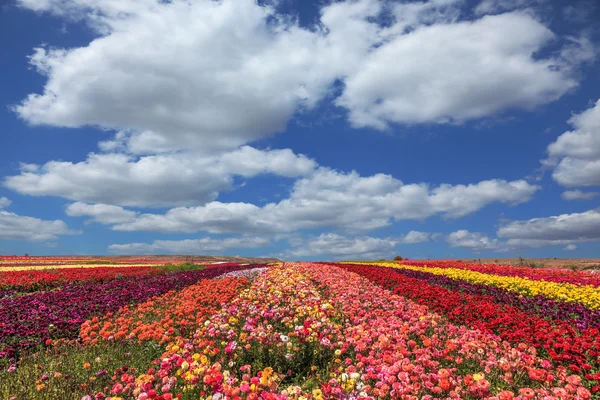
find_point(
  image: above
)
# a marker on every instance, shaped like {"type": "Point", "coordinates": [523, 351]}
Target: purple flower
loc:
{"type": "Point", "coordinates": [27, 321]}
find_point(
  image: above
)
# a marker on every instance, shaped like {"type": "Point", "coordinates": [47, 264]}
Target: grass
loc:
{"type": "Point", "coordinates": [187, 266]}
{"type": "Point", "coordinates": [67, 377]}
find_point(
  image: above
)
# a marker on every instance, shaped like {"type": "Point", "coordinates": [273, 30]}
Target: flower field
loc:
{"type": "Point", "coordinates": [435, 330]}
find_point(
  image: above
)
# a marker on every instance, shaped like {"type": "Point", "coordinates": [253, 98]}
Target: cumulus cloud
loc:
{"type": "Point", "coordinates": [237, 77]}
{"type": "Point", "coordinates": [189, 246]}
{"type": "Point", "coordinates": [102, 213]}
{"type": "Point", "coordinates": [414, 237]}
{"type": "Point", "coordinates": [18, 227]}
{"type": "Point", "coordinates": [473, 240]}
{"type": "Point", "coordinates": [158, 180]}
{"type": "Point", "coordinates": [556, 230]}
{"type": "Point", "coordinates": [578, 195]}
{"type": "Point", "coordinates": [452, 72]}
{"type": "Point", "coordinates": [562, 230]}
{"type": "Point", "coordinates": [4, 202]}
{"type": "Point", "coordinates": [575, 155]}
{"type": "Point", "coordinates": [329, 198]}
{"type": "Point", "coordinates": [183, 105]}
{"type": "Point", "coordinates": [342, 247]}
{"type": "Point", "coordinates": [247, 69]}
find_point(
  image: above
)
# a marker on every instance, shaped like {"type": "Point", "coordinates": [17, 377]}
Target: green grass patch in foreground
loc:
{"type": "Point", "coordinates": [63, 372]}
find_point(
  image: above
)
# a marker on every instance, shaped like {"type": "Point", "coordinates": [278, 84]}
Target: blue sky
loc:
{"type": "Point", "coordinates": [300, 129]}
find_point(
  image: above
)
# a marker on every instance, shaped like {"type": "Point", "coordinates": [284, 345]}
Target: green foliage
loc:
{"type": "Point", "coordinates": [61, 370]}
{"type": "Point", "coordinates": [187, 266]}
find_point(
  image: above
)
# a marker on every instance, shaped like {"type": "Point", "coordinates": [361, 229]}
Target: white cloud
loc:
{"type": "Point", "coordinates": [17, 227]}
{"type": "Point", "coordinates": [343, 200]}
{"type": "Point", "coordinates": [575, 155]}
{"type": "Point", "coordinates": [414, 237]}
{"type": "Point", "coordinates": [4, 202]}
{"type": "Point", "coordinates": [579, 49]}
{"type": "Point", "coordinates": [556, 230]}
{"type": "Point", "coordinates": [159, 180]}
{"type": "Point", "coordinates": [578, 195]}
{"type": "Point", "coordinates": [243, 73]}
{"type": "Point", "coordinates": [452, 72]}
{"type": "Point", "coordinates": [499, 6]}
{"type": "Point", "coordinates": [342, 247]}
{"type": "Point", "coordinates": [236, 77]}
{"type": "Point", "coordinates": [473, 240]}
{"type": "Point", "coordinates": [189, 246]}
{"type": "Point", "coordinates": [102, 213]}
{"type": "Point", "coordinates": [570, 247]}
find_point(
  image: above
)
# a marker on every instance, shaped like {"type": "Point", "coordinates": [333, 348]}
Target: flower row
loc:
{"type": "Point", "coordinates": [390, 333]}
{"type": "Point", "coordinates": [577, 349]}
{"type": "Point", "coordinates": [41, 279]}
{"type": "Point", "coordinates": [315, 331]}
{"type": "Point", "coordinates": [550, 275]}
{"type": "Point", "coordinates": [573, 313]}
{"type": "Point", "coordinates": [276, 332]}
{"type": "Point", "coordinates": [45, 267]}
{"type": "Point", "coordinates": [38, 318]}
{"type": "Point", "coordinates": [250, 274]}
{"type": "Point", "coordinates": [163, 318]}
{"type": "Point", "coordinates": [588, 296]}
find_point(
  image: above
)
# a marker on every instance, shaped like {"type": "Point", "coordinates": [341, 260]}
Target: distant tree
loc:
{"type": "Point", "coordinates": [398, 258]}
{"type": "Point", "coordinates": [26, 255]}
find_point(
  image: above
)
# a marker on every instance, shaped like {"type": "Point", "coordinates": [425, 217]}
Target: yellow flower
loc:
{"type": "Point", "coordinates": [586, 295]}
{"type": "Point", "coordinates": [317, 394]}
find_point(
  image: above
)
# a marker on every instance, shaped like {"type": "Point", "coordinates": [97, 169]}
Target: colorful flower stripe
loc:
{"type": "Point", "coordinates": [440, 358]}
{"type": "Point", "coordinates": [30, 320]}
{"type": "Point", "coordinates": [165, 317]}
{"type": "Point", "coordinates": [13, 260]}
{"type": "Point", "coordinates": [67, 266]}
{"type": "Point", "coordinates": [36, 280]}
{"type": "Point", "coordinates": [574, 313]}
{"type": "Point", "coordinates": [579, 350]}
{"type": "Point", "coordinates": [589, 296]}
{"type": "Point", "coordinates": [339, 332]}
{"type": "Point", "coordinates": [538, 274]}
{"type": "Point", "coordinates": [279, 325]}
{"type": "Point", "coordinates": [249, 274]}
